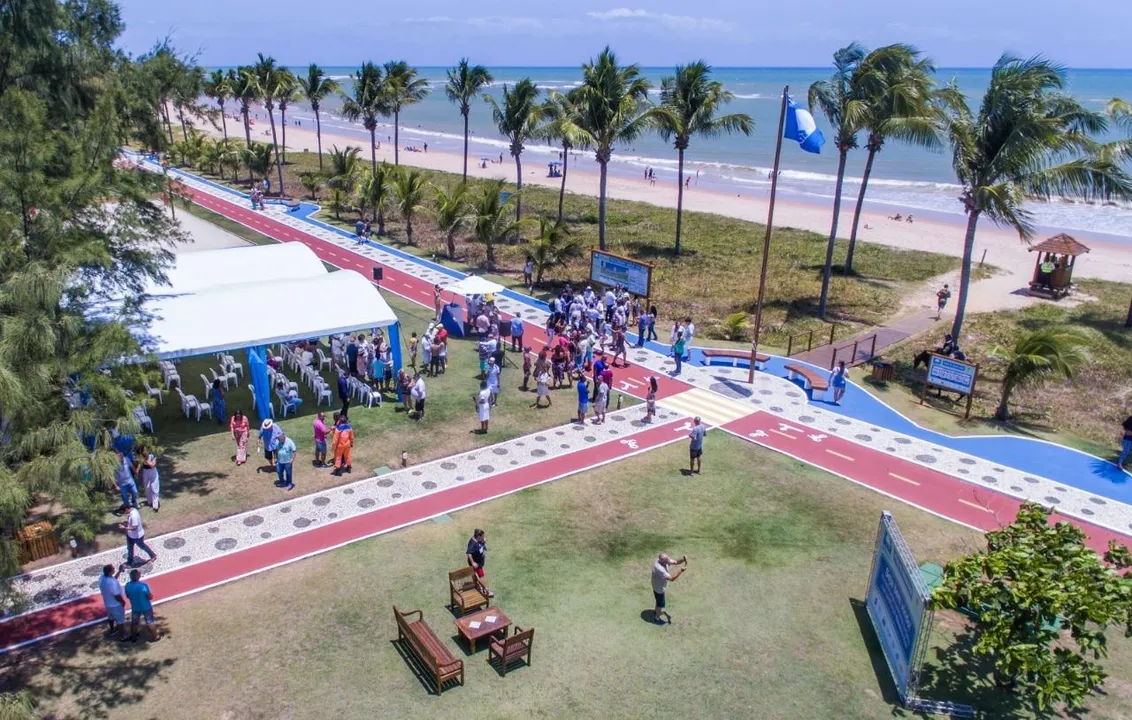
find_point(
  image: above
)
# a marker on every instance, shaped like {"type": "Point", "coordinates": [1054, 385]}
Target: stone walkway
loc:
{"type": "Point", "coordinates": [69, 581]}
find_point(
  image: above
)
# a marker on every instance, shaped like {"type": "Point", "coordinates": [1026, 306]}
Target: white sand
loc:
{"type": "Point", "coordinates": [205, 235]}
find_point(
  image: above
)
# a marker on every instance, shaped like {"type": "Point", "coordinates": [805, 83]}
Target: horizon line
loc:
{"type": "Point", "coordinates": [663, 67]}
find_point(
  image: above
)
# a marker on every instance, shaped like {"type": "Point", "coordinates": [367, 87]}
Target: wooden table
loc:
{"type": "Point", "coordinates": [486, 628]}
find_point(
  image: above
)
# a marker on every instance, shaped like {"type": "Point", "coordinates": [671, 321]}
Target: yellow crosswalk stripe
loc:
{"type": "Point", "coordinates": [711, 408]}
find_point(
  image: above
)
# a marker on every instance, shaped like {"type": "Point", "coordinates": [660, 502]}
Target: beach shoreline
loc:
{"type": "Point", "coordinates": [1109, 259]}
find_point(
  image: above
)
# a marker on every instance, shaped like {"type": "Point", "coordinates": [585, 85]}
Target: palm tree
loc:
{"type": "Point", "coordinates": [838, 101]}
{"type": "Point", "coordinates": [366, 104]}
{"type": "Point", "coordinates": [316, 87]}
{"type": "Point", "coordinates": [561, 111]}
{"type": "Point", "coordinates": [375, 190]}
{"type": "Point", "coordinates": [518, 120]}
{"type": "Point", "coordinates": [613, 104]}
{"type": "Point", "coordinates": [287, 92]}
{"type": "Point", "coordinates": [493, 217]}
{"type": "Point", "coordinates": [219, 88]}
{"type": "Point", "coordinates": [344, 167]}
{"type": "Point", "coordinates": [228, 155]}
{"type": "Point", "coordinates": [464, 83]}
{"type": "Point", "coordinates": [689, 103]}
{"type": "Point", "coordinates": [1039, 356]}
{"type": "Point", "coordinates": [271, 85]}
{"type": "Point", "coordinates": [453, 214]}
{"type": "Point", "coordinates": [409, 188]}
{"type": "Point", "coordinates": [259, 159]}
{"type": "Point", "coordinates": [554, 246]}
{"type": "Point", "coordinates": [246, 91]}
{"type": "Point", "coordinates": [896, 85]}
{"type": "Point", "coordinates": [189, 88]}
{"type": "Point", "coordinates": [402, 87]}
{"type": "Point", "coordinates": [1028, 140]}
{"type": "Point", "coordinates": [312, 182]}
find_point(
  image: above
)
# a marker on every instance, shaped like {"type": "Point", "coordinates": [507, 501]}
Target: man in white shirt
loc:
{"type": "Point", "coordinates": [135, 535]}
{"type": "Point", "coordinates": [113, 599]}
{"type": "Point", "coordinates": [418, 392]}
{"type": "Point", "coordinates": [610, 301]}
{"type": "Point", "coordinates": [660, 580]}
{"type": "Point", "coordinates": [689, 332]}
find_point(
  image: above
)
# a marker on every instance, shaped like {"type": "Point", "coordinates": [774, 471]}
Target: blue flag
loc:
{"type": "Point", "coordinates": [801, 128]}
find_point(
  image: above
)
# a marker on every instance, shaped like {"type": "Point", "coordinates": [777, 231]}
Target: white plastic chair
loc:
{"type": "Point", "coordinates": [207, 384]}
{"type": "Point", "coordinates": [188, 403]}
{"type": "Point", "coordinates": [229, 364]}
{"type": "Point", "coordinates": [172, 379]}
{"type": "Point", "coordinates": [324, 394]}
{"type": "Point", "coordinates": [227, 376]}
{"type": "Point", "coordinates": [323, 361]}
{"type": "Point", "coordinates": [222, 378]}
{"type": "Point", "coordinates": [203, 407]}
{"type": "Point", "coordinates": [143, 418]}
{"type": "Point", "coordinates": [369, 396]}
{"type": "Point", "coordinates": [154, 392]}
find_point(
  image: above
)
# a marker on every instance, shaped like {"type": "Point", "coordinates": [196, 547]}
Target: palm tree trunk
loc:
{"type": "Point", "coordinates": [247, 126]}
{"type": "Point", "coordinates": [465, 146]}
{"type": "Point", "coordinates": [857, 211]}
{"type": "Point", "coordinates": [679, 195]}
{"type": "Point", "coordinates": [168, 125]}
{"type": "Point", "coordinates": [181, 117]}
{"type": "Point", "coordinates": [601, 204]}
{"type": "Point", "coordinates": [283, 156]}
{"type": "Point", "coordinates": [1002, 413]}
{"type": "Point", "coordinates": [373, 148]}
{"type": "Point", "coordinates": [380, 219]}
{"type": "Point", "coordinates": [275, 143]}
{"type": "Point", "coordinates": [224, 120]}
{"type": "Point", "coordinates": [519, 188]}
{"type": "Point", "coordinates": [965, 274]}
{"type": "Point", "coordinates": [827, 268]}
{"type": "Point", "coordinates": [450, 239]}
{"type": "Point", "coordinates": [490, 255]}
{"type": "Point", "coordinates": [562, 187]}
{"type": "Point", "coordinates": [318, 135]}
{"type": "Point", "coordinates": [396, 137]}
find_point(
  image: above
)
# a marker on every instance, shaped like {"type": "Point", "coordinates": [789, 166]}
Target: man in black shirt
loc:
{"type": "Point", "coordinates": [1126, 442]}
{"type": "Point", "coordinates": [477, 554]}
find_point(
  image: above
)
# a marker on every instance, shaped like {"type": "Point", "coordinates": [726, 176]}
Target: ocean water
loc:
{"type": "Point", "coordinates": [904, 178]}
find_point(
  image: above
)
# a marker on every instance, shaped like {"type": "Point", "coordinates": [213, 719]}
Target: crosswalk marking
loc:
{"type": "Point", "coordinates": [710, 407]}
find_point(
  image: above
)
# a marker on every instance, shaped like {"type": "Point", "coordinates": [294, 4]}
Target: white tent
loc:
{"type": "Point", "coordinates": [474, 285]}
{"type": "Point", "coordinates": [194, 272]}
{"type": "Point", "coordinates": [233, 317]}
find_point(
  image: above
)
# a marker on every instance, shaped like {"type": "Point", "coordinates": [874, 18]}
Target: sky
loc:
{"type": "Point", "coordinates": [734, 33]}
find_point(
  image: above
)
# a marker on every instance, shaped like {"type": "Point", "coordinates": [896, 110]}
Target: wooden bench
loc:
{"type": "Point", "coordinates": [511, 649]}
{"type": "Point", "coordinates": [467, 591]}
{"type": "Point", "coordinates": [424, 643]}
{"type": "Point", "coordinates": [734, 356]}
{"type": "Point", "coordinates": [813, 380]}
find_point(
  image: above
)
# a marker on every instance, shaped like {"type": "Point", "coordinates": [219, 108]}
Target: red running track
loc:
{"type": "Point", "coordinates": [632, 380]}
{"type": "Point", "coordinates": [30, 628]}
{"type": "Point", "coordinates": [919, 486]}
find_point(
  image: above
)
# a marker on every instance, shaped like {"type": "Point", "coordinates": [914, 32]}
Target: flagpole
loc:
{"type": "Point", "coordinates": [766, 240]}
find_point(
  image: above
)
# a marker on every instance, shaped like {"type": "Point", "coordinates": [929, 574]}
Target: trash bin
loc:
{"type": "Point", "coordinates": [36, 541]}
{"type": "Point", "coordinates": [882, 371]}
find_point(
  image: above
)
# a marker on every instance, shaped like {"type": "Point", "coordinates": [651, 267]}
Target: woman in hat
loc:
{"type": "Point", "coordinates": [151, 481]}
{"type": "Point", "coordinates": [239, 427]}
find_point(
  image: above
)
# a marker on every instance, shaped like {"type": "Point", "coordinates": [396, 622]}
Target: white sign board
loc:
{"type": "Point", "coordinates": [611, 270]}
{"type": "Point", "coordinates": [897, 601]}
{"type": "Point", "coordinates": [951, 374]}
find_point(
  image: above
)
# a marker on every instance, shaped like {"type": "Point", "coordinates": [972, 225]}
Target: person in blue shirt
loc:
{"type": "Point", "coordinates": [642, 328]}
{"type": "Point", "coordinates": [517, 332]}
{"type": "Point", "coordinates": [268, 433]}
{"type": "Point", "coordinates": [838, 382]}
{"type": "Point", "coordinates": [583, 398]}
{"type": "Point", "coordinates": [344, 390]}
{"type": "Point", "coordinates": [284, 461]}
{"type": "Point", "coordinates": [124, 479]}
{"type": "Point", "coordinates": [141, 606]}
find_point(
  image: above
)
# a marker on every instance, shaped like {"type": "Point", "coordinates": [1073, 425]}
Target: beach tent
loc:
{"type": "Point", "coordinates": [232, 317]}
{"type": "Point", "coordinates": [474, 285]}
{"type": "Point", "coordinates": [196, 271]}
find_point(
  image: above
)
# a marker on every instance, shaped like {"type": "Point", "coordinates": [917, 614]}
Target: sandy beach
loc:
{"type": "Point", "coordinates": [1108, 260]}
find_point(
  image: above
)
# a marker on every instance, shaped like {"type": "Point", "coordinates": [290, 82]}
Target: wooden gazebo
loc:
{"type": "Point", "coordinates": [1053, 271]}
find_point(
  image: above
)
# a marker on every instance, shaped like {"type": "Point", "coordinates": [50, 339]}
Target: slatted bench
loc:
{"type": "Point", "coordinates": [813, 380]}
{"type": "Point", "coordinates": [733, 357]}
{"type": "Point", "coordinates": [424, 643]}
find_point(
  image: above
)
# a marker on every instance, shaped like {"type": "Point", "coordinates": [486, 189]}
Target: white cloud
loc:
{"type": "Point", "coordinates": [433, 19]}
{"type": "Point", "coordinates": [668, 20]}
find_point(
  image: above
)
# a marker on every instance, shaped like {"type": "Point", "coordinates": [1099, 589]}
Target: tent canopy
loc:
{"type": "Point", "coordinates": [474, 285]}
{"type": "Point", "coordinates": [197, 271]}
{"type": "Point", "coordinates": [238, 316]}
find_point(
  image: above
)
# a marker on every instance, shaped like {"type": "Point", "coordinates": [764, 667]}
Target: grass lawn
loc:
{"type": "Point", "coordinates": [714, 277]}
{"type": "Point", "coordinates": [766, 621]}
{"type": "Point", "coordinates": [1084, 413]}
{"type": "Point", "coordinates": [199, 478]}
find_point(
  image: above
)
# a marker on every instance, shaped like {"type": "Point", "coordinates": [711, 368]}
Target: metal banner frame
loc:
{"type": "Point", "coordinates": [909, 698]}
